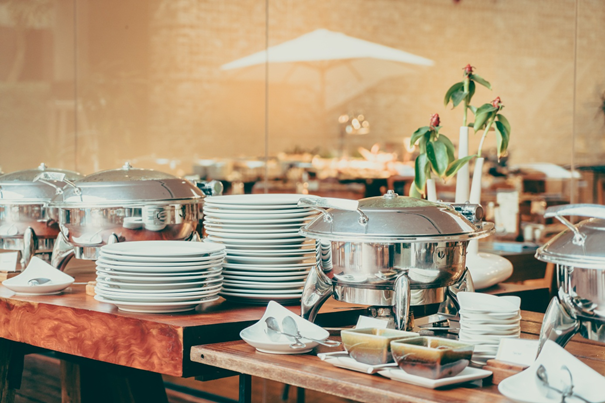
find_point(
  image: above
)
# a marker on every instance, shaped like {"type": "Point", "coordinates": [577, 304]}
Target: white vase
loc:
{"type": "Point", "coordinates": [486, 269]}
{"type": "Point", "coordinates": [462, 175]}
{"type": "Point", "coordinates": [431, 190]}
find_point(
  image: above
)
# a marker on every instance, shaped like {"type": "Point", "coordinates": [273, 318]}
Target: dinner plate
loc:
{"type": "Point", "coordinates": [237, 207]}
{"type": "Point", "coordinates": [148, 249]}
{"type": "Point", "coordinates": [247, 226]}
{"type": "Point", "coordinates": [258, 199]}
{"type": "Point", "coordinates": [163, 260]}
{"type": "Point", "coordinates": [261, 248]}
{"type": "Point", "coordinates": [291, 229]}
{"type": "Point", "coordinates": [249, 239]}
{"type": "Point", "coordinates": [166, 265]}
{"type": "Point", "coordinates": [153, 297]}
{"type": "Point", "coordinates": [265, 278]}
{"type": "Point", "coordinates": [165, 287]}
{"type": "Point", "coordinates": [211, 210]}
{"type": "Point", "coordinates": [124, 273]}
{"type": "Point", "coordinates": [268, 265]}
{"type": "Point", "coordinates": [246, 236]}
{"type": "Point", "coordinates": [266, 221]}
{"type": "Point", "coordinates": [264, 284]}
{"type": "Point", "coordinates": [270, 215]}
{"type": "Point", "coordinates": [270, 259]}
{"type": "Point", "coordinates": [259, 291]}
{"type": "Point", "coordinates": [155, 307]}
{"type": "Point", "coordinates": [261, 299]}
{"type": "Point", "coordinates": [271, 253]}
{"type": "Point", "coordinates": [149, 270]}
{"type": "Point", "coordinates": [261, 268]}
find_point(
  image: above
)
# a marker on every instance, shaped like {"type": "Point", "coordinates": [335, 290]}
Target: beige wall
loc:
{"type": "Point", "coordinates": [144, 78]}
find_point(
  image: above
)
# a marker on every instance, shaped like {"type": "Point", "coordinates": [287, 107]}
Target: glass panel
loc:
{"type": "Point", "coordinates": [37, 84]}
{"type": "Point", "coordinates": [152, 91]}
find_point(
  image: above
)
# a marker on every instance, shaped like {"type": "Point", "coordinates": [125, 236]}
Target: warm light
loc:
{"type": "Point", "coordinates": [406, 144]}
{"type": "Point", "coordinates": [375, 148]}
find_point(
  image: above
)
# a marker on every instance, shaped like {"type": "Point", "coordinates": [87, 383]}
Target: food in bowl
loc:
{"type": "Point", "coordinates": [431, 357]}
{"type": "Point", "coordinates": [372, 345]}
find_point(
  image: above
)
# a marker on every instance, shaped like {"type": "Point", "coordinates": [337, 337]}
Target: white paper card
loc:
{"type": "Point", "coordinates": [517, 351]}
{"type": "Point", "coordinates": [8, 261]}
{"type": "Point", "coordinates": [367, 321]}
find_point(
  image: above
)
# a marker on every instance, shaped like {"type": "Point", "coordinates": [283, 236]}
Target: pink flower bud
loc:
{"type": "Point", "coordinates": [497, 103]}
{"type": "Point", "coordinates": [435, 121]}
{"type": "Point", "coordinates": [468, 70]}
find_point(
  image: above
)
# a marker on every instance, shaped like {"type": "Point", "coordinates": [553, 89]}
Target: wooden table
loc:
{"type": "Point", "coordinates": [96, 340]}
{"type": "Point", "coordinates": [309, 372]}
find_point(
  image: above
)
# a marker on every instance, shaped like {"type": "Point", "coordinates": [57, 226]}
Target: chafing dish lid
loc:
{"type": "Point", "coordinates": [581, 245]}
{"type": "Point", "coordinates": [37, 185]}
{"type": "Point", "coordinates": [127, 186]}
{"type": "Point", "coordinates": [390, 218]}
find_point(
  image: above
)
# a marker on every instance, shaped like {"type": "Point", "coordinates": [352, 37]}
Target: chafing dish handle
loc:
{"type": "Point", "coordinates": [402, 302]}
{"type": "Point", "coordinates": [582, 210]}
{"type": "Point", "coordinates": [322, 203]}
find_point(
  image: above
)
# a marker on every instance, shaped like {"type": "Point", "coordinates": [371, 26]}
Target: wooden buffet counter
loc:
{"type": "Point", "coordinates": [109, 355]}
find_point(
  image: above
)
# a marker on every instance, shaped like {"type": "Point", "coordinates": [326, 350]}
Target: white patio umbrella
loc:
{"type": "Point", "coordinates": [342, 66]}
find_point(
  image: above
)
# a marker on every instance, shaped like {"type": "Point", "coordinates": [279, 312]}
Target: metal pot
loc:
{"type": "Point", "coordinates": [390, 250]}
{"type": "Point", "coordinates": [580, 258]}
{"type": "Point", "coordinates": [27, 223]}
{"type": "Point", "coordinates": [121, 205]}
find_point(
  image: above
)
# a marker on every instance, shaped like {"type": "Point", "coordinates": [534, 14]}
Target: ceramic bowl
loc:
{"type": "Point", "coordinates": [372, 345]}
{"type": "Point", "coordinates": [431, 357]}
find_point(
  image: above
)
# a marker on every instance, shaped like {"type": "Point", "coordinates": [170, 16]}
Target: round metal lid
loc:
{"type": "Point", "coordinates": [34, 185]}
{"type": "Point", "coordinates": [584, 251]}
{"type": "Point", "coordinates": [390, 218]}
{"type": "Point", "coordinates": [127, 186]}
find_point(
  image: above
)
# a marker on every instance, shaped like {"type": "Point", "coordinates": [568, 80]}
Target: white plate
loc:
{"type": "Point", "coordinates": [482, 339]}
{"type": "Point", "coordinates": [271, 259]}
{"type": "Point", "coordinates": [490, 316]}
{"type": "Point", "coordinates": [269, 265]}
{"type": "Point", "coordinates": [149, 287]}
{"type": "Point", "coordinates": [487, 330]}
{"type": "Point", "coordinates": [269, 247]}
{"type": "Point", "coordinates": [263, 284]}
{"type": "Point", "coordinates": [38, 268]}
{"type": "Point", "coordinates": [275, 269]}
{"type": "Point", "coordinates": [247, 226]}
{"type": "Point", "coordinates": [245, 236]}
{"type": "Point", "coordinates": [251, 240]}
{"type": "Point", "coordinates": [124, 272]}
{"type": "Point", "coordinates": [271, 253]}
{"type": "Point", "coordinates": [121, 278]}
{"type": "Point", "coordinates": [155, 307]}
{"type": "Point", "coordinates": [215, 228]}
{"type": "Point", "coordinates": [523, 387]}
{"type": "Point", "coordinates": [166, 265]}
{"type": "Point", "coordinates": [260, 291]}
{"type": "Point", "coordinates": [467, 375]}
{"type": "Point", "coordinates": [244, 210]}
{"type": "Point", "coordinates": [295, 272]}
{"type": "Point", "coordinates": [257, 199]}
{"type": "Point", "coordinates": [473, 321]}
{"type": "Point", "coordinates": [255, 217]}
{"type": "Point", "coordinates": [266, 221]}
{"type": "Point", "coordinates": [265, 278]}
{"type": "Point", "coordinates": [153, 298]}
{"type": "Point", "coordinates": [256, 335]}
{"type": "Point", "coordinates": [237, 207]}
{"type": "Point", "coordinates": [149, 270]}
{"type": "Point", "coordinates": [164, 261]}
{"type": "Point", "coordinates": [169, 249]}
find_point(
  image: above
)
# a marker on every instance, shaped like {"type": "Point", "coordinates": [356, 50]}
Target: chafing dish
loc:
{"type": "Point", "coordinates": [391, 251]}
{"type": "Point", "coordinates": [121, 205]}
{"type": "Point", "coordinates": [579, 255]}
{"type": "Point", "coordinates": [27, 224]}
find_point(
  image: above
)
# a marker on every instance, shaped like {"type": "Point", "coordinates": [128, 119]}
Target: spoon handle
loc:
{"type": "Point", "coordinates": [327, 343]}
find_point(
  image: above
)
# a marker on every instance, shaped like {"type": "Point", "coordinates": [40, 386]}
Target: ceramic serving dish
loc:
{"type": "Point", "coordinates": [372, 345]}
{"type": "Point", "coordinates": [431, 357]}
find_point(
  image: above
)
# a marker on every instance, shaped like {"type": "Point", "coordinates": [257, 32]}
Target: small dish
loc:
{"type": "Point", "coordinates": [467, 375]}
{"type": "Point", "coordinates": [38, 268]}
{"type": "Point", "coordinates": [431, 357]}
{"type": "Point", "coordinates": [257, 337]}
{"type": "Point", "coordinates": [341, 359]}
{"type": "Point", "coordinates": [372, 345]}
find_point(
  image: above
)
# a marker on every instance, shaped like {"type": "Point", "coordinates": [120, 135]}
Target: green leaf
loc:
{"type": "Point", "coordinates": [420, 167]}
{"type": "Point", "coordinates": [480, 119]}
{"type": "Point", "coordinates": [505, 122]}
{"type": "Point", "coordinates": [451, 150]}
{"type": "Point", "coordinates": [422, 143]}
{"type": "Point", "coordinates": [457, 97]}
{"type": "Point", "coordinates": [448, 95]}
{"type": "Point", "coordinates": [471, 91]}
{"type": "Point", "coordinates": [456, 165]}
{"type": "Point", "coordinates": [414, 192]}
{"type": "Point", "coordinates": [503, 136]}
{"type": "Point", "coordinates": [436, 152]}
{"type": "Point", "coordinates": [417, 134]}
{"type": "Point", "coordinates": [473, 109]}
{"type": "Point", "coordinates": [480, 80]}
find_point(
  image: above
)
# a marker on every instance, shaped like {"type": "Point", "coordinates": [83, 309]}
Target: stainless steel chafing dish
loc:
{"type": "Point", "coordinates": [579, 255]}
{"type": "Point", "coordinates": [27, 224]}
{"type": "Point", "coordinates": [391, 251]}
{"type": "Point", "coordinates": [120, 205]}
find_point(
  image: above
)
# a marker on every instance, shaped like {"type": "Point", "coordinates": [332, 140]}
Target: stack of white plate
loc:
{"type": "Point", "coordinates": [266, 259]}
{"type": "Point", "coordinates": [485, 320]}
{"type": "Point", "coordinates": [159, 276]}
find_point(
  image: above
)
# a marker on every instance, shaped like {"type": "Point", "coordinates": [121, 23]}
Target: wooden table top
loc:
{"type": "Point", "coordinates": [75, 323]}
{"type": "Point", "coordinates": [308, 371]}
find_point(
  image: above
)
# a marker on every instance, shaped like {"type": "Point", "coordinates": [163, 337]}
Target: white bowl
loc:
{"type": "Point", "coordinates": [479, 302]}
{"type": "Point", "coordinates": [38, 268]}
{"type": "Point", "coordinates": [257, 337]}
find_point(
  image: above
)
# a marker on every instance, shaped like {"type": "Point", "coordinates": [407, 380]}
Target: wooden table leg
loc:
{"type": "Point", "coordinates": [245, 388]}
{"type": "Point", "coordinates": [11, 369]}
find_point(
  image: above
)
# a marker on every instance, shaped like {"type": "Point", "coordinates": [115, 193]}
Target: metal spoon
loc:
{"type": "Point", "coordinates": [38, 281]}
{"type": "Point", "coordinates": [568, 392]}
{"type": "Point", "coordinates": [273, 329]}
{"type": "Point", "coordinates": [290, 327]}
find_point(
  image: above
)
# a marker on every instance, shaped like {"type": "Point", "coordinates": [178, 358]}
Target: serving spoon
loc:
{"type": "Point", "coordinates": [567, 392]}
{"type": "Point", "coordinates": [291, 329]}
{"type": "Point", "coordinates": [38, 281]}
{"type": "Point", "coordinates": [273, 330]}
